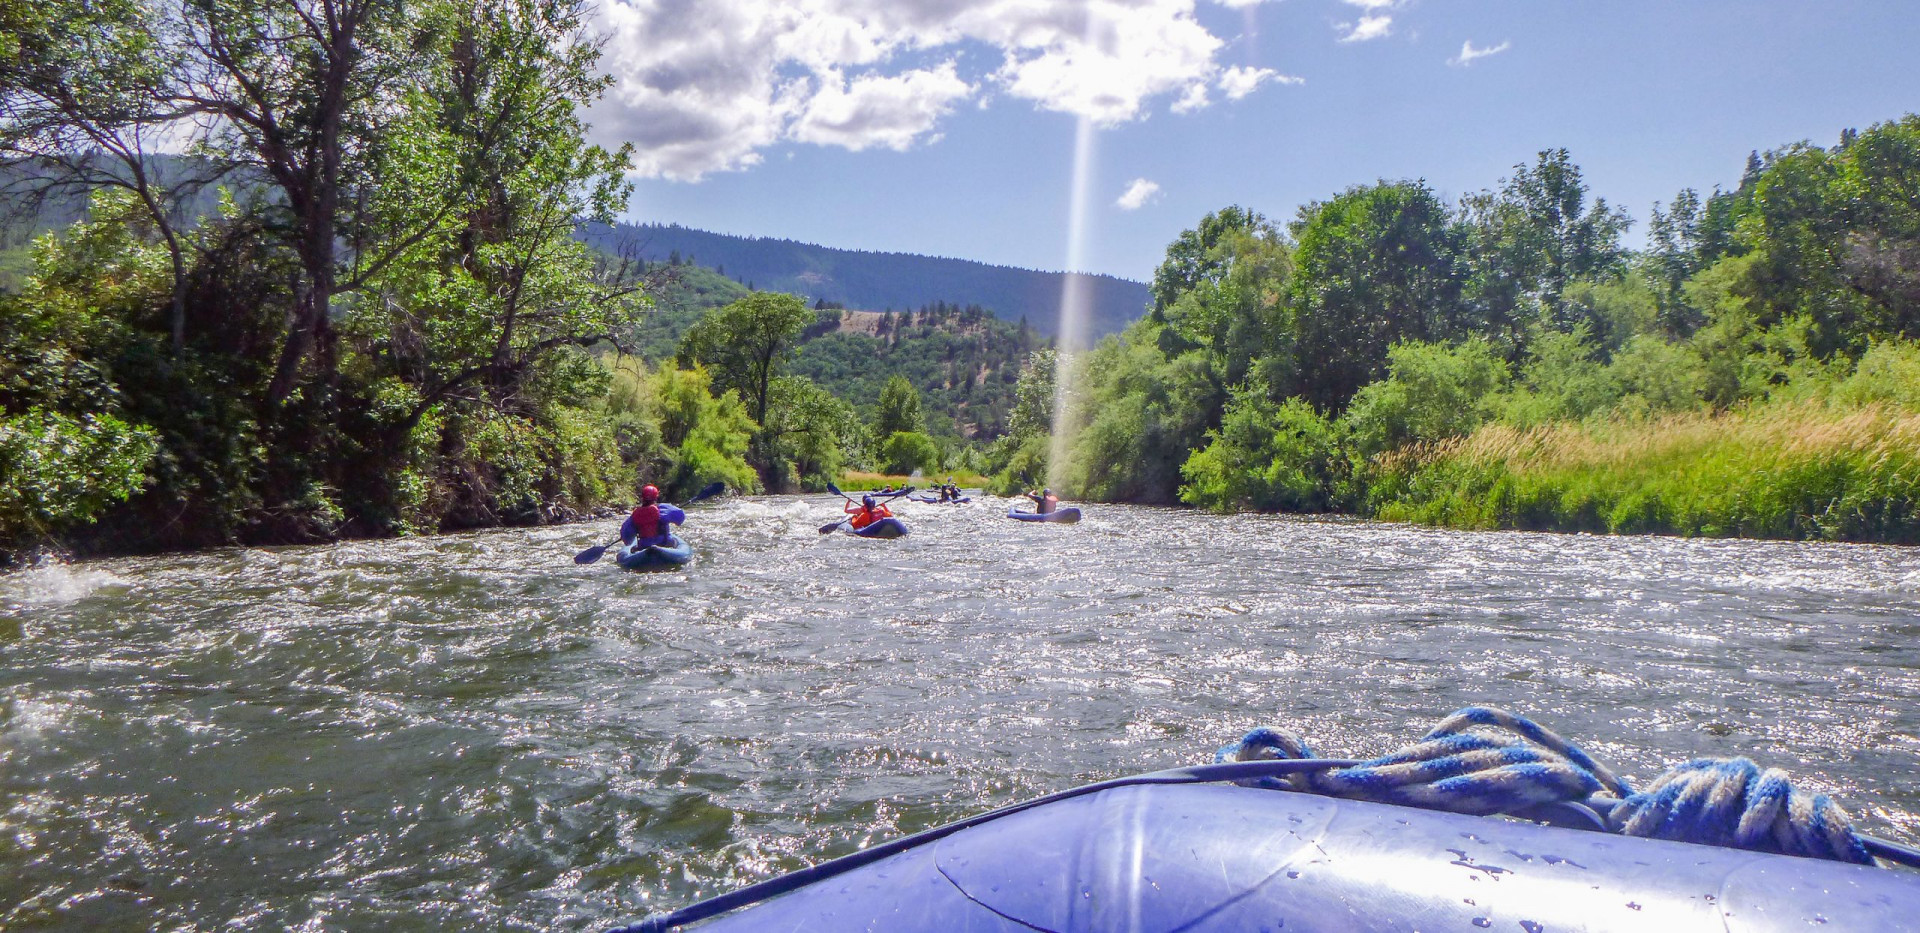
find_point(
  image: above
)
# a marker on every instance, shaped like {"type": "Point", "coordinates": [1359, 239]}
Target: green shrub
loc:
{"type": "Point", "coordinates": [909, 452]}
{"type": "Point", "coordinates": [58, 472]}
{"type": "Point", "coordinates": [1284, 457]}
{"type": "Point", "coordinates": [1432, 391]}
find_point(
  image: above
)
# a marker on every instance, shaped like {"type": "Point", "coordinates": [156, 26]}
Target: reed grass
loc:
{"type": "Point", "coordinates": [1795, 470]}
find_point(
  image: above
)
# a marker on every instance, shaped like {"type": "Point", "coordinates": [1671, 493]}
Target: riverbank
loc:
{"type": "Point", "coordinates": [1797, 472]}
{"type": "Point", "coordinates": [858, 481]}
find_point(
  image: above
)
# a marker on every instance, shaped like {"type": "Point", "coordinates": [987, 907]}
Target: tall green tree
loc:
{"type": "Point", "coordinates": [471, 309]}
{"type": "Point", "coordinates": [1534, 236]}
{"type": "Point", "coordinates": [899, 408]}
{"type": "Point", "coordinates": [84, 106]}
{"type": "Point", "coordinates": [1375, 265]}
{"type": "Point", "coordinates": [745, 344]}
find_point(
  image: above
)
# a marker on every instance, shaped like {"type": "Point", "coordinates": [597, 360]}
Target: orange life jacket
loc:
{"type": "Point", "coordinates": [863, 516]}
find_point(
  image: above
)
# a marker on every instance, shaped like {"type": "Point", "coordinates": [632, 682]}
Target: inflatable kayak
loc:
{"type": "Point", "coordinates": [884, 528]}
{"type": "Point", "coordinates": [1065, 516]}
{"type": "Point", "coordinates": [1220, 858]}
{"type": "Point", "coordinates": [676, 553]}
{"type": "Point", "coordinates": [931, 501]}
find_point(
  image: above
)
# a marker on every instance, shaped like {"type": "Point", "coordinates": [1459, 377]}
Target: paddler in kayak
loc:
{"type": "Point", "coordinates": [648, 525]}
{"type": "Point", "coordinates": [866, 513]}
{"type": "Point", "coordinates": [1044, 501]}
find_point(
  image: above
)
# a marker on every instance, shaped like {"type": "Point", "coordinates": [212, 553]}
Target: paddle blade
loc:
{"type": "Point", "coordinates": [828, 528]}
{"type": "Point", "coordinates": [591, 554]}
{"type": "Point", "coordinates": [712, 489]}
{"type": "Point", "coordinates": [835, 489]}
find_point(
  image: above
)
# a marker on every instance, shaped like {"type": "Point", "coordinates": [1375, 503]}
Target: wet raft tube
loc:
{"type": "Point", "coordinates": [884, 528]}
{"type": "Point", "coordinates": [656, 557]}
{"type": "Point", "coordinates": [1226, 859]}
{"type": "Point", "coordinates": [1065, 516]}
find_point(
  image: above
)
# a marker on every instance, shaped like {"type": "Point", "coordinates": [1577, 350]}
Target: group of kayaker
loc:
{"type": "Point", "coordinates": [651, 521]}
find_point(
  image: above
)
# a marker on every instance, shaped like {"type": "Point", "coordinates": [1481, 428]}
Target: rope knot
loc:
{"type": "Point", "coordinates": [1485, 761]}
{"type": "Point", "coordinates": [1733, 802]}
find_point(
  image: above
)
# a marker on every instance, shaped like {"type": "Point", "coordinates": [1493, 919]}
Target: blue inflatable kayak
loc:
{"type": "Point", "coordinates": [1065, 516]}
{"type": "Point", "coordinates": [1219, 858]}
{"type": "Point", "coordinates": [676, 553]}
{"type": "Point", "coordinates": [884, 528]}
{"type": "Point", "coordinates": [933, 501]}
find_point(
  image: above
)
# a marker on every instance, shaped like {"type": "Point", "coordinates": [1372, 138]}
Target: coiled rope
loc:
{"type": "Point", "coordinates": [1485, 761]}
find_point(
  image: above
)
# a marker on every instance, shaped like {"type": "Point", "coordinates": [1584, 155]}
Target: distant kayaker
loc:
{"type": "Point", "coordinates": [1044, 501]}
{"type": "Point", "coordinates": [866, 513]}
{"type": "Point", "coordinates": [649, 523]}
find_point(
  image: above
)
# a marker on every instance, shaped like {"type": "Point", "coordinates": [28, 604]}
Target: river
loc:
{"type": "Point", "coordinates": [472, 732]}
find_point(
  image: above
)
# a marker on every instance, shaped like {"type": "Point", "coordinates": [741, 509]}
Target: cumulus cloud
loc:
{"type": "Point", "coordinates": [706, 85]}
{"type": "Point", "coordinates": [1238, 82]}
{"type": "Point", "coordinates": [1369, 27]}
{"type": "Point", "coordinates": [1138, 193]}
{"type": "Point", "coordinates": [1374, 22]}
{"type": "Point", "coordinates": [1468, 53]}
{"type": "Point", "coordinates": [1193, 99]}
{"type": "Point", "coordinates": [880, 110]}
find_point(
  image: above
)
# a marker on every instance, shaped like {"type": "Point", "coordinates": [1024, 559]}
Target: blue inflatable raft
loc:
{"type": "Point", "coordinates": [884, 528]}
{"type": "Point", "coordinates": [1064, 516]}
{"type": "Point", "coordinates": [1140, 856]}
{"type": "Point", "coordinates": [676, 553]}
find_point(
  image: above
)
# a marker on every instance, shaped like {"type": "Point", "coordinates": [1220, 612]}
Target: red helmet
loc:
{"type": "Point", "coordinates": [649, 493]}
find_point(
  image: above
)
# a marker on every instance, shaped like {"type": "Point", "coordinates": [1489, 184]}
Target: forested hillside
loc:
{"type": "Point", "coordinates": [872, 281]}
{"type": "Point", "coordinates": [963, 360]}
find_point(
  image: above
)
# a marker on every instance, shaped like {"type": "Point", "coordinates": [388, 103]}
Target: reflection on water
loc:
{"type": "Point", "coordinates": [473, 730]}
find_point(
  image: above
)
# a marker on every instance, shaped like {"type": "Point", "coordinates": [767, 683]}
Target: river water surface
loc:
{"type": "Point", "coordinates": [471, 732]}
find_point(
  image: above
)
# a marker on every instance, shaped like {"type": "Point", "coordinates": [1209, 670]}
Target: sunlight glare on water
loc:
{"type": "Point", "coordinates": [472, 731]}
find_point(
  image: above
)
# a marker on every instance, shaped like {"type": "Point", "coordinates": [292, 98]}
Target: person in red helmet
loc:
{"type": "Point", "coordinates": [867, 512]}
{"type": "Point", "coordinates": [648, 525]}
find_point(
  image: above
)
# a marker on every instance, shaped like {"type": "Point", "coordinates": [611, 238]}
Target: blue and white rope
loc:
{"type": "Point", "coordinates": [1462, 768]}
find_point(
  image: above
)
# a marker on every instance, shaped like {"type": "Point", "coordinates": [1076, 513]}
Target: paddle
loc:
{"type": "Point", "coordinates": [594, 553]}
{"type": "Point", "coordinates": [829, 527]}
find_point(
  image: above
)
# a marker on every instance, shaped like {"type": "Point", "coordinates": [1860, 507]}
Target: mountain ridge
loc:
{"type": "Point", "coordinates": [870, 280]}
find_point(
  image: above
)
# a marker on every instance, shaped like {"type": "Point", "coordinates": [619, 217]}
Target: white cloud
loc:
{"type": "Point", "coordinates": [1138, 193]}
{"type": "Point", "coordinates": [1468, 53]}
{"type": "Point", "coordinates": [1372, 4]}
{"type": "Point", "coordinates": [1239, 4]}
{"type": "Point", "coordinates": [892, 111]}
{"type": "Point", "coordinates": [1193, 99]}
{"type": "Point", "coordinates": [706, 85]}
{"type": "Point", "coordinates": [1238, 82]}
{"type": "Point", "coordinates": [1369, 27]}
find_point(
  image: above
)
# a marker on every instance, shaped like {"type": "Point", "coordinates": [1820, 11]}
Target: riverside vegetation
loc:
{"type": "Point", "coordinates": [1504, 362]}
{"type": "Point", "coordinates": [350, 297]}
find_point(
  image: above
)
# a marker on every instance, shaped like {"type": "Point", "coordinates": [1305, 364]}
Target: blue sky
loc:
{"type": "Point", "coordinates": [947, 127]}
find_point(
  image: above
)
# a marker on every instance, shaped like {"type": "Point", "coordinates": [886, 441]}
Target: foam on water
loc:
{"type": "Point", "coordinates": [51, 583]}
